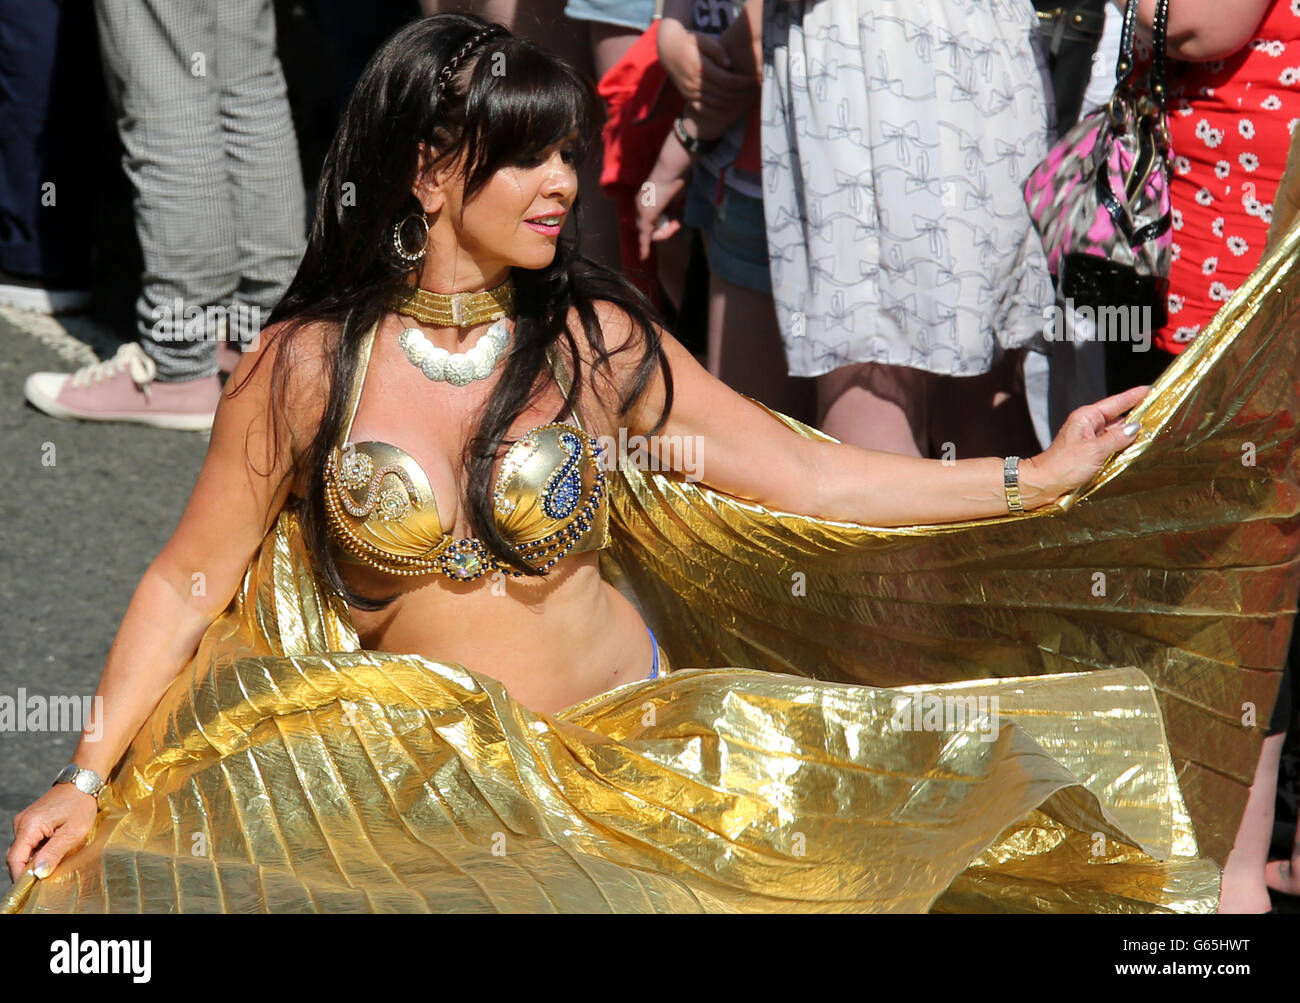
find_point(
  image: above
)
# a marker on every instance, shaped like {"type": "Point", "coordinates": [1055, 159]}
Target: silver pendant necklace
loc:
{"type": "Point", "coordinates": [457, 368]}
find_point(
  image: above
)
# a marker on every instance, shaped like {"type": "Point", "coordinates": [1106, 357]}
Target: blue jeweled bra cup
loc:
{"type": "Point", "coordinates": [549, 501]}
{"type": "Point", "coordinates": [560, 496]}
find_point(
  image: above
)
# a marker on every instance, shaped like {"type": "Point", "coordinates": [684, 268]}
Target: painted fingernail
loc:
{"type": "Point", "coordinates": [43, 869]}
{"type": "Point", "coordinates": [1132, 428]}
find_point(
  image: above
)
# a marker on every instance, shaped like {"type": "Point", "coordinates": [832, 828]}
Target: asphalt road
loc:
{"type": "Point", "coordinates": [88, 505]}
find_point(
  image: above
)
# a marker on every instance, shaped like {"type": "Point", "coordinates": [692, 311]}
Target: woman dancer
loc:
{"type": "Point", "coordinates": [361, 421]}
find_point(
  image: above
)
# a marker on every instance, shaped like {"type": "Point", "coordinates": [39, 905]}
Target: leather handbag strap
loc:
{"type": "Point", "coordinates": [1159, 39]}
{"type": "Point", "coordinates": [1124, 67]}
{"type": "Point", "coordinates": [1152, 144]}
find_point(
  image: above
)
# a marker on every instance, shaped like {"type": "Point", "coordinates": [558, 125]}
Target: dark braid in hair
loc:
{"type": "Point", "coordinates": [453, 64]}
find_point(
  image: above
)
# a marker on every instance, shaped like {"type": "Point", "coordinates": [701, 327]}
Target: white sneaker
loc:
{"type": "Point", "coordinates": [38, 299]}
{"type": "Point", "coordinates": [124, 388]}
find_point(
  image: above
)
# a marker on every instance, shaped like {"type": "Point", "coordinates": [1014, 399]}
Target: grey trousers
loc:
{"type": "Point", "coordinates": [210, 151]}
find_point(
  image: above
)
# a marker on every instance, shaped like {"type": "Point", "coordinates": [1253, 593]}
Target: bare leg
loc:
{"type": "Point", "coordinates": [672, 260]}
{"type": "Point", "coordinates": [746, 351]}
{"type": "Point", "coordinates": [500, 11]}
{"type": "Point", "coordinates": [984, 415]}
{"type": "Point", "coordinates": [544, 22]}
{"type": "Point", "coordinates": [1284, 875]}
{"type": "Point", "coordinates": [1243, 888]}
{"type": "Point", "coordinates": [609, 44]}
{"type": "Point", "coordinates": [876, 406]}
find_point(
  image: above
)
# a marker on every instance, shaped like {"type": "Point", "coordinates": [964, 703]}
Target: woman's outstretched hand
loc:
{"type": "Point", "coordinates": [1087, 439]}
{"type": "Point", "coordinates": [61, 819]}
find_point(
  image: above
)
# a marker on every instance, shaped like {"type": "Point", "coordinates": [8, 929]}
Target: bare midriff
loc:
{"type": "Point", "coordinates": [552, 642]}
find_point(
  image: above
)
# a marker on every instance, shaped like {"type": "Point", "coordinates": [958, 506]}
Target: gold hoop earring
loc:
{"type": "Point", "coordinates": [410, 257]}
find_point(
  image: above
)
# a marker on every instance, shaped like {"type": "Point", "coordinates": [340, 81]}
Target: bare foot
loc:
{"type": "Point", "coordinates": [1283, 875]}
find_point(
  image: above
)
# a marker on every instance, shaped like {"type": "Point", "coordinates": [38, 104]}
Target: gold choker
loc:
{"type": "Point", "coordinates": [455, 309]}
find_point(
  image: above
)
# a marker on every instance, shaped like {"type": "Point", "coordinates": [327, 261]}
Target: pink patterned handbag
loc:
{"type": "Point", "coordinates": [1100, 199]}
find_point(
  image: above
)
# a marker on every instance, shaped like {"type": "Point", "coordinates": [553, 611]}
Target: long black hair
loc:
{"type": "Point", "coordinates": [502, 101]}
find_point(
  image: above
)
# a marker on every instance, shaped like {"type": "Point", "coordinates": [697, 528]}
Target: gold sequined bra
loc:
{"type": "Point", "coordinates": [548, 500]}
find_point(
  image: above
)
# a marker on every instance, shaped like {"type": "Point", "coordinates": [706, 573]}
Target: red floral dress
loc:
{"type": "Point", "coordinates": [1230, 126]}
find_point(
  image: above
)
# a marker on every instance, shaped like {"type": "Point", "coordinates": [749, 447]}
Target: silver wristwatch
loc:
{"type": "Point", "coordinates": [86, 781]}
{"type": "Point", "coordinates": [1011, 483]}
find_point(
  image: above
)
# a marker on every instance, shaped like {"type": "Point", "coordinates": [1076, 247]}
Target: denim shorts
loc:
{"type": "Point", "coordinates": [736, 228]}
{"type": "Point", "coordinates": [625, 13]}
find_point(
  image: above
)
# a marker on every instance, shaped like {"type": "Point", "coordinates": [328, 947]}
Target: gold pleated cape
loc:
{"type": "Point", "coordinates": [1180, 558]}
{"type": "Point", "coordinates": [288, 770]}
{"type": "Point", "coordinates": [1132, 636]}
